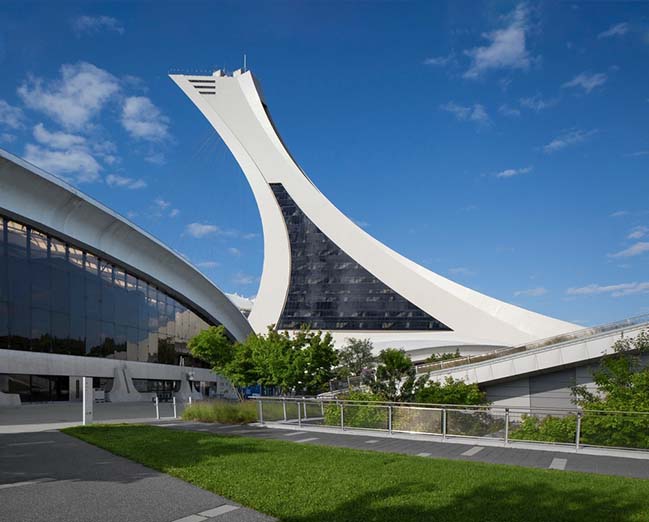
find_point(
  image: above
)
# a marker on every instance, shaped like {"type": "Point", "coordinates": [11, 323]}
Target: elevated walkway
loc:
{"type": "Point", "coordinates": [554, 352]}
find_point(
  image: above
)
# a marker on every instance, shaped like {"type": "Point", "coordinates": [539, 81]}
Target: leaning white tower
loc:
{"type": "Point", "coordinates": [323, 270]}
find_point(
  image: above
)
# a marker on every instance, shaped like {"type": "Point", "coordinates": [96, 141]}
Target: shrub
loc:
{"type": "Point", "coordinates": [359, 415]}
{"type": "Point", "coordinates": [450, 392]}
{"type": "Point", "coordinates": [548, 429]}
{"type": "Point", "coordinates": [223, 412]}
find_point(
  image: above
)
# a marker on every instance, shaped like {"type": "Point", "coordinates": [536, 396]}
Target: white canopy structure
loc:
{"type": "Point", "coordinates": [323, 270]}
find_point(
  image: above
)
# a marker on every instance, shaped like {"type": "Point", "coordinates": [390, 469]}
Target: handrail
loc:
{"type": "Point", "coordinates": [570, 337]}
{"type": "Point", "coordinates": [450, 422]}
{"type": "Point", "coordinates": [439, 405]}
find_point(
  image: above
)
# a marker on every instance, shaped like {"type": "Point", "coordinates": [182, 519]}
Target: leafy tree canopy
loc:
{"type": "Point", "coordinates": [212, 346]}
{"type": "Point", "coordinates": [395, 375]}
{"type": "Point", "coordinates": [303, 363]}
{"type": "Point", "coordinates": [355, 356]}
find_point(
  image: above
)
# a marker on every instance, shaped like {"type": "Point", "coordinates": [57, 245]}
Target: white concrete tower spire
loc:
{"type": "Point", "coordinates": [321, 268]}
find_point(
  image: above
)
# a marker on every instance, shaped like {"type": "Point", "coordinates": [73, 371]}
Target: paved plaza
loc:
{"type": "Point", "coordinates": [51, 477]}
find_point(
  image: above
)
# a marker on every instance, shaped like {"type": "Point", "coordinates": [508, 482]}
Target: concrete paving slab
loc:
{"type": "Point", "coordinates": [71, 480]}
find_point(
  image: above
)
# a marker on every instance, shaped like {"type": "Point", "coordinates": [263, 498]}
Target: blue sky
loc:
{"type": "Point", "coordinates": [504, 145]}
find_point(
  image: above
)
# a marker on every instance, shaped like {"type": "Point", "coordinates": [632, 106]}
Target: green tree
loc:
{"type": "Point", "coordinates": [395, 375]}
{"type": "Point", "coordinates": [622, 384]}
{"type": "Point", "coordinates": [315, 359]}
{"type": "Point", "coordinates": [355, 357]}
{"type": "Point", "coordinates": [241, 370]}
{"type": "Point", "coordinates": [622, 381]}
{"type": "Point", "coordinates": [273, 358]}
{"type": "Point", "coordinates": [303, 362]}
{"type": "Point", "coordinates": [451, 391]}
{"type": "Point", "coordinates": [212, 346]}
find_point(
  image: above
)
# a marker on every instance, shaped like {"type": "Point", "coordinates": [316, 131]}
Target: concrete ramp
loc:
{"type": "Point", "coordinates": [567, 350]}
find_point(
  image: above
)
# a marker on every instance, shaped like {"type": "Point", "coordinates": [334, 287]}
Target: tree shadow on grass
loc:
{"type": "Point", "coordinates": [540, 502]}
{"type": "Point", "coordinates": [159, 448]}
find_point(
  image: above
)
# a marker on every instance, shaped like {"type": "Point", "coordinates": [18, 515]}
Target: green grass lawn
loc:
{"type": "Point", "coordinates": [306, 483]}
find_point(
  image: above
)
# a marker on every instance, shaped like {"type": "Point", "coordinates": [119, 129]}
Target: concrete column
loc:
{"type": "Point", "coordinates": [123, 389]}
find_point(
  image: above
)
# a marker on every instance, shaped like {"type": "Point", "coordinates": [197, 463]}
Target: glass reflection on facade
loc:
{"type": "Point", "coordinates": [329, 290]}
{"type": "Point", "coordinates": [56, 297]}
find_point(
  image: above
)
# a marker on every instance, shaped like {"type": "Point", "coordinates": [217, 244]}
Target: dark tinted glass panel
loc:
{"type": "Point", "coordinates": [329, 290]}
{"type": "Point", "coordinates": [4, 283]}
{"type": "Point", "coordinates": [56, 297]}
{"type": "Point", "coordinates": [36, 388]}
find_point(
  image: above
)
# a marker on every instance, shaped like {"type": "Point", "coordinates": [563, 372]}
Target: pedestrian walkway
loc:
{"type": "Point", "coordinates": [51, 477]}
{"type": "Point", "coordinates": [544, 457]}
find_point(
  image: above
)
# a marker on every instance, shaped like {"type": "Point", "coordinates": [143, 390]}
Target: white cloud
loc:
{"type": "Point", "coordinates": [234, 251]}
{"type": "Point", "coordinates": [10, 116]}
{"type": "Point", "coordinates": [174, 212]}
{"type": "Point", "coordinates": [77, 162]}
{"type": "Point", "coordinates": [199, 230]}
{"type": "Point", "coordinates": [537, 103]}
{"type": "Point", "coordinates": [587, 81]}
{"type": "Point", "coordinates": [242, 302]}
{"type": "Point", "coordinates": [509, 173]}
{"type": "Point", "coordinates": [143, 120]}
{"type": "Point", "coordinates": [638, 154]}
{"type": "Point", "coordinates": [568, 138]}
{"type": "Point", "coordinates": [157, 158]}
{"type": "Point", "coordinates": [615, 30]}
{"type": "Point", "coordinates": [95, 24]}
{"type": "Point", "coordinates": [250, 235]}
{"type": "Point", "coordinates": [6, 137]}
{"type": "Point", "coordinates": [74, 99]}
{"type": "Point", "coordinates": [506, 49]}
{"type": "Point", "coordinates": [462, 271]}
{"type": "Point", "coordinates": [57, 140]}
{"type": "Point", "coordinates": [114, 180]}
{"type": "Point", "coordinates": [638, 232]}
{"type": "Point", "coordinates": [531, 292]}
{"type": "Point", "coordinates": [207, 264]}
{"type": "Point", "coordinates": [439, 61]}
{"type": "Point", "coordinates": [620, 290]}
{"type": "Point", "coordinates": [507, 110]}
{"type": "Point", "coordinates": [634, 250]}
{"type": "Point", "coordinates": [243, 279]}
{"type": "Point", "coordinates": [475, 113]}
{"type": "Point", "coordinates": [161, 203]}
{"type": "Point", "coordinates": [619, 213]}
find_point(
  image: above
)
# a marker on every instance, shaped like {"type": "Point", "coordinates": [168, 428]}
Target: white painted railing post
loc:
{"type": "Point", "coordinates": [174, 403]}
{"type": "Point", "coordinates": [88, 400]}
{"type": "Point", "coordinates": [444, 424]}
{"type": "Point", "coordinates": [261, 411]}
{"type": "Point", "coordinates": [157, 408]}
{"type": "Point", "coordinates": [342, 417]}
{"type": "Point", "coordinates": [506, 425]}
{"type": "Point", "coordinates": [299, 415]}
{"type": "Point", "coordinates": [190, 400]}
{"type": "Point", "coordinates": [578, 434]}
{"type": "Point", "coordinates": [284, 409]}
{"type": "Point", "coordinates": [390, 419]}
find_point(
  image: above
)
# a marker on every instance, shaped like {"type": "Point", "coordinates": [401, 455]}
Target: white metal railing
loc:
{"type": "Point", "coordinates": [572, 427]}
{"type": "Point", "coordinates": [549, 342]}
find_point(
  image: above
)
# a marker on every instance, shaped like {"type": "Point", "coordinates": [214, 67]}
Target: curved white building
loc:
{"type": "Point", "coordinates": [85, 293]}
{"type": "Point", "coordinates": [321, 269]}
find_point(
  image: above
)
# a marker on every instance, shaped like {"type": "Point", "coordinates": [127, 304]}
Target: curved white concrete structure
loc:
{"type": "Point", "coordinates": [292, 207]}
{"type": "Point", "coordinates": [40, 198]}
{"type": "Point", "coordinates": [85, 293]}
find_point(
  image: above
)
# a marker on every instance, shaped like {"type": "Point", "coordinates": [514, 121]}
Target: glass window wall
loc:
{"type": "Point", "coordinates": [59, 298]}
